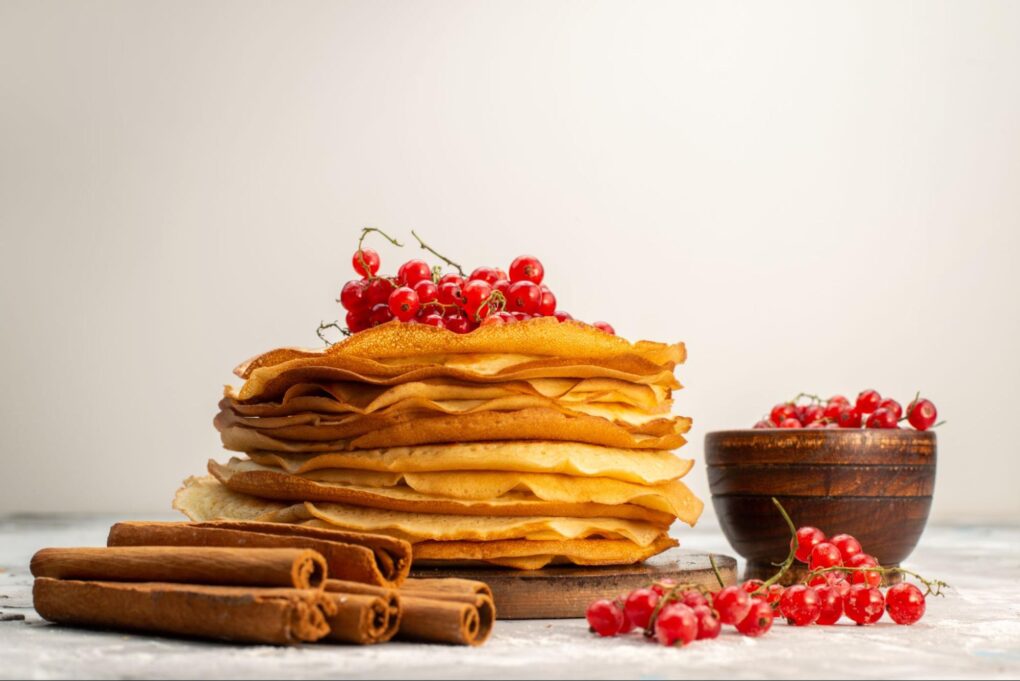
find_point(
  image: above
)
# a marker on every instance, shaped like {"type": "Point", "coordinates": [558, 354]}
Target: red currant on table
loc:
{"type": "Point", "coordinates": [524, 296]}
{"type": "Point", "coordinates": [758, 619]}
{"type": "Point", "coordinates": [847, 545]}
{"type": "Point", "coordinates": [526, 268]}
{"type": "Point", "coordinates": [352, 295]}
{"type": "Point", "coordinates": [781, 412]}
{"type": "Point", "coordinates": [863, 560]}
{"type": "Point", "coordinates": [905, 603]}
{"type": "Point", "coordinates": [882, 418]}
{"type": "Point", "coordinates": [378, 292]}
{"type": "Point", "coordinates": [676, 625]}
{"type": "Point", "coordinates": [849, 418]}
{"type": "Point", "coordinates": [864, 604]}
{"type": "Point", "coordinates": [922, 414]}
{"type": "Point", "coordinates": [832, 605]}
{"type": "Point", "coordinates": [807, 539]}
{"type": "Point", "coordinates": [606, 327]}
{"type": "Point", "coordinates": [547, 305]}
{"type": "Point", "coordinates": [790, 423]}
{"type": "Point", "coordinates": [404, 303]}
{"type": "Point", "coordinates": [639, 606]}
{"type": "Point", "coordinates": [800, 605]}
{"type": "Point", "coordinates": [366, 257]}
{"type": "Point", "coordinates": [605, 618]}
{"type": "Point", "coordinates": [490, 275]}
{"type": "Point", "coordinates": [752, 585]}
{"type": "Point", "coordinates": [709, 625]}
{"type": "Point", "coordinates": [867, 401]}
{"type": "Point", "coordinates": [732, 604]}
{"type": "Point", "coordinates": [693, 599]}
{"type": "Point", "coordinates": [893, 406]}
{"type": "Point", "coordinates": [824, 555]}
{"type": "Point", "coordinates": [775, 594]}
{"type": "Point", "coordinates": [380, 314]}
{"type": "Point", "coordinates": [663, 586]}
{"type": "Point", "coordinates": [413, 271]}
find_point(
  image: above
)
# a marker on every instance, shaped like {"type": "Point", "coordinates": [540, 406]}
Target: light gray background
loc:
{"type": "Point", "coordinates": [814, 196]}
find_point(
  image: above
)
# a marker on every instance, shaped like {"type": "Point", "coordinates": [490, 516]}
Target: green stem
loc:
{"type": "Point", "coordinates": [331, 325]}
{"type": "Point", "coordinates": [365, 231]}
{"type": "Point", "coordinates": [715, 569]}
{"type": "Point", "coordinates": [933, 587]}
{"type": "Point", "coordinates": [460, 270]}
{"type": "Point", "coordinates": [788, 563]}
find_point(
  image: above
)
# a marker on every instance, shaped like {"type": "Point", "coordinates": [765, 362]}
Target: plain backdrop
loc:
{"type": "Point", "coordinates": [814, 196]}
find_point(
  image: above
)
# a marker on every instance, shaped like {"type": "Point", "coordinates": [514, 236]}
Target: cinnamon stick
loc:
{"type": "Point", "coordinates": [293, 568]}
{"type": "Point", "coordinates": [364, 619]}
{"type": "Point", "coordinates": [368, 558]}
{"type": "Point", "coordinates": [244, 615]}
{"type": "Point", "coordinates": [448, 585]}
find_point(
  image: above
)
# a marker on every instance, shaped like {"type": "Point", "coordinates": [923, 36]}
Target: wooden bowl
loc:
{"type": "Point", "coordinates": [873, 484]}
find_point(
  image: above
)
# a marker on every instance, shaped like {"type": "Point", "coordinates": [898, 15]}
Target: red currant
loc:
{"type": "Point", "coordinates": [628, 626]}
{"type": "Point", "coordinates": [663, 586]}
{"type": "Point", "coordinates": [357, 321]}
{"type": "Point", "coordinates": [451, 278]}
{"type": "Point", "coordinates": [893, 406]}
{"type": "Point", "coordinates": [781, 412]}
{"type": "Point", "coordinates": [922, 414]}
{"type": "Point", "coordinates": [758, 619]}
{"type": "Point", "coordinates": [428, 292]}
{"type": "Point", "coordinates": [494, 320]}
{"type": "Point", "coordinates": [562, 316]}
{"type": "Point", "coordinates": [832, 409]}
{"type": "Point", "coordinates": [365, 257]}
{"type": "Point", "coordinates": [867, 401]}
{"type": "Point", "coordinates": [764, 424]}
{"type": "Point", "coordinates": [490, 275]}
{"type": "Point", "coordinates": [693, 599]}
{"type": "Point", "coordinates": [676, 625]}
{"type": "Point", "coordinates": [752, 585]}
{"type": "Point", "coordinates": [791, 423]}
{"type": "Point", "coordinates": [801, 605]}
{"type": "Point", "coordinates": [813, 413]}
{"type": "Point", "coordinates": [434, 319]}
{"type": "Point", "coordinates": [905, 603]}
{"type": "Point", "coordinates": [526, 268]}
{"type": "Point", "coordinates": [849, 418]}
{"type": "Point", "coordinates": [824, 555]}
{"type": "Point", "coordinates": [827, 579]}
{"type": "Point", "coordinates": [863, 560]}
{"type": "Point", "coordinates": [832, 605]}
{"type": "Point", "coordinates": [476, 292]}
{"type": "Point", "coordinates": [605, 618]}
{"type": "Point", "coordinates": [404, 303]}
{"type": "Point", "coordinates": [732, 604]}
{"type": "Point", "coordinates": [503, 286]}
{"type": "Point", "coordinates": [606, 327]}
{"type": "Point", "coordinates": [450, 293]}
{"type": "Point", "coordinates": [775, 594]}
{"type": "Point", "coordinates": [457, 323]}
{"type": "Point", "coordinates": [864, 604]}
{"type": "Point", "coordinates": [547, 305]}
{"type": "Point", "coordinates": [847, 545]}
{"type": "Point", "coordinates": [524, 296]}
{"type": "Point", "coordinates": [882, 418]}
{"type": "Point", "coordinates": [378, 292]}
{"type": "Point", "coordinates": [709, 625]}
{"type": "Point", "coordinates": [413, 271]}
{"type": "Point", "coordinates": [639, 606]}
{"type": "Point", "coordinates": [505, 316]}
{"type": "Point", "coordinates": [352, 295]}
{"type": "Point", "coordinates": [807, 539]}
{"type": "Point", "coordinates": [380, 314]}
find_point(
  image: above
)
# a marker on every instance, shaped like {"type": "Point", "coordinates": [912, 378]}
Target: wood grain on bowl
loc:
{"type": "Point", "coordinates": [874, 484]}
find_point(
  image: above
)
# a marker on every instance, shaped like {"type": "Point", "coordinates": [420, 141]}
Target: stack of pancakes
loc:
{"type": "Point", "coordinates": [518, 445]}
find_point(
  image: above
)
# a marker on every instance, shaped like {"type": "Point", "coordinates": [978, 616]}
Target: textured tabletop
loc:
{"type": "Point", "coordinates": [973, 632]}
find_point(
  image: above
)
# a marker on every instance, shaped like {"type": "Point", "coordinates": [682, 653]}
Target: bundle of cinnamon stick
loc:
{"type": "Point", "coordinates": [253, 582]}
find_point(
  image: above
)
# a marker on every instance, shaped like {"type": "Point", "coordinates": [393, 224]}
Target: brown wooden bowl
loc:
{"type": "Point", "coordinates": [873, 484]}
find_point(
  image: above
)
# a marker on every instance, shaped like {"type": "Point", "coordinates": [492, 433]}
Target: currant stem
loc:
{"type": "Point", "coordinates": [788, 563]}
{"type": "Point", "coordinates": [331, 325]}
{"type": "Point", "coordinates": [933, 587]}
{"type": "Point", "coordinates": [493, 298]}
{"type": "Point", "coordinates": [715, 569]}
{"type": "Point", "coordinates": [460, 270]}
{"type": "Point", "coordinates": [361, 257]}
{"type": "Point", "coordinates": [813, 398]}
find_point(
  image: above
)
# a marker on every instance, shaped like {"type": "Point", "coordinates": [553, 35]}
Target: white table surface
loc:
{"type": "Point", "coordinates": [973, 632]}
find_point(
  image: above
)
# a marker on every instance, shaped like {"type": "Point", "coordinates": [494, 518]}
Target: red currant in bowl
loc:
{"type": "Point", "coordinates": [922, 414]}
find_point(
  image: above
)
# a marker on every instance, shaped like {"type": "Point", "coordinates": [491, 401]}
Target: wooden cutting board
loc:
{"type": "Point", "coordinates": [562, 592]}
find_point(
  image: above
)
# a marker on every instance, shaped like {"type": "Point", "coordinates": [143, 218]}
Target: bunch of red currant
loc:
{"type": "Point", "coordinates": [842, 580]}
{"type": "Point", "coordinates": [419, 293]}
{"type": "Point", "coordinates": [870, 411]}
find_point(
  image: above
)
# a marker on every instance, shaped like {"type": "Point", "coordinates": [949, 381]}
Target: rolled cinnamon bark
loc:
{"type": "Point", "coordinates": [447, 614]}
{"type": "Point", "coordinates": [368, 558]}
{"type": "Point", "coordinates": [450, 585]}
{"type": "Point", "coordinates": [243, 615]}
{"type": "Point", "coordinates": [364, 619]}
{"type": "Point", "coordinates": [293, 568]}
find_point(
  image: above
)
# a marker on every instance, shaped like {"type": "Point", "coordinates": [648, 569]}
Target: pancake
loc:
{"type": "Point", "coordinates": [643, 467]}
{"type": "Point", "coordinates": [534, 555]}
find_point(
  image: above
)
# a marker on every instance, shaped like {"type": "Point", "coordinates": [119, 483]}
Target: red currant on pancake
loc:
{"type": "Point", "coordinates": [494, 320]}
{"type": "Point", "coordinates": [547, 305]}
{"type": "Point", "coordinates": [781, 412]}
{"type": "Point", "coordinates": [800, 605]}
{"type": "Point", "coordinates": [413, 271]}
{"type": "Point", "coordinates": [905, 603]}
{"type": "Point", "coordinates": [451, 278]}
{"type": "Point", "coordinates": [709, 625]}
{"type": "Point", "coordinates": [807, 539]}
{"type": "Point", "coordinates": [380, 314]}
{"type": "Point", "coordinates": [457, 323]}
{"type": "Point", "coordinates": [849, 418]}
{"type": "Point", "coordinates": [476, 292]}
{"type": "Point", "coordinates": [922, 414]}
{"type": "Point", "coordinates": [639, 606]}
{"type": "Point", "coordinates": [562, 316]}
{"type": "Point", "coordinates": [847, 545]}
{"type": "Point", "coordinates": [605, 618]}
{"type": "Point", "coordinates": [605, 326]}
{"type": "Point", "coordinates": [524, 296]}
{"type": "Point", "coordinates": [832, 605]}
{"type": "Point", "coordinates": [824, 555]}
{"type": "Point", "coordinates": [434, 319]}
{"type": "Point", "coordinates": [863, 560]}
{"type": "Point", "coordinates": [864, 604]}
{"type": "Point", "coordinates": [732, 604]}
{"type": "Point", "coordinates": [503, 286]}
{"type": "Point", "coordinates": [882, 418]}
{"type": "Point", "coordinates": [520, 316]}
{"type": "Point", "coordinates": [526, 268]}
{"type": "Point", "coordinates": [867, 401]}
{"type": "Point", "coordinates": [490, 275]}
{"type": "Point", "coordinates": [676, 625]}
{"type": "Point", "coordinates": [505, 316]}
{"type": "Point", "coordinates": [893, 406]}
{"type": "Point", "coordinates": [352, 295]}
{"type": "Point", "coordinates": [378, 292]}
{"type": "Point", "coordinates": [758, 619]}
{"type": "Point", "coordinates": [450, 293]}
{"type": "Point", "coordinates": [427, 292]}
{"type": "Point", "coordinates": [404, 303]}
{"type": "Point", "coordinates": [357, 321]}
{"type": "Point", "coordinates": [365, 257]}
